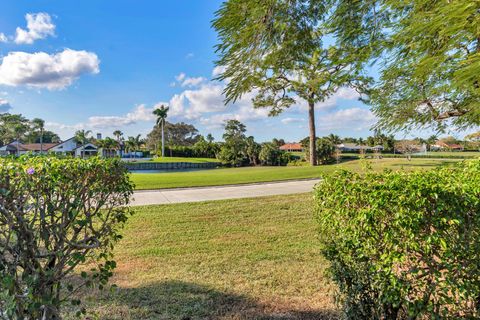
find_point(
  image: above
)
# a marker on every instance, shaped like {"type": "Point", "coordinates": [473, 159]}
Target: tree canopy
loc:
{"type": "Point", "coordinates": [429, 56]}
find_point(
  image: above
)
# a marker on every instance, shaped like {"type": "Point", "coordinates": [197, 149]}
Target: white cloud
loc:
{"type": "Point", "coordinates": [39, 26]}
{"type": "Point", "coordinates": [190, 55]}
{"type": "Point", "coordinates": [3, 37]}
{"type": "Point", "coordinates": [4, 105]}
{"type": "Point", "coordinates": [138, 114]}
{"type": "Point", "coordinates": [193, 82]}
{"type": "Point", "coordinates": [292, 120]}
{"type": "Point", "coordinates": [353, 118]}
{"type": "Point", "coordinates": [180, 76]}
{"type": "Point", "coordinates": [218, 70]}
{"type": "Point", "coordinates": [42, 70]}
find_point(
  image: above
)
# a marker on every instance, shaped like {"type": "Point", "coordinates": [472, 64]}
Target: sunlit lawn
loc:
{"type": "Point", "coordinates": [265, 174]}
{"type": "Point", "coordinates": [181, 159]}
{"type": "Point", "coordinates": [236, 259]}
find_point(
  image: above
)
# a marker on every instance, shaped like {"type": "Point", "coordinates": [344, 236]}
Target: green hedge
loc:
{"type": "Point", "coordinates": [404, 245]}
{"type": "Point", "coordinates": [56, 215]}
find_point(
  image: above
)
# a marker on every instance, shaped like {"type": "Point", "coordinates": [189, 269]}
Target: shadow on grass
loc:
{"type": "Point", "coordinates": [188, 301]}
{"type": "Point", "coordinates": [424, 164]}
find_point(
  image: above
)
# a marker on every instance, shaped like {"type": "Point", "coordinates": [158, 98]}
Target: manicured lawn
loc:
{"type": "Point", "coordinates": [236, 259]}
{"type": "Point", "coordinates": [181, 159]}
{"type": "Point", "coordinates": [265, 174]}
{"type": "Point", "coordinates": [454, 153]}
{"type": "Point", "coordinates": [431, 155]}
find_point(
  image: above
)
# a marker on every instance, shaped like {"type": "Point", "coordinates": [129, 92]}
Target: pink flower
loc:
{"type": "Point", "coordinates": [30, 171]}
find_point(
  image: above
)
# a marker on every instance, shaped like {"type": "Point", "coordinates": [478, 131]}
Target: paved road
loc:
{"type": "Point", "coordinates": [221, 192]}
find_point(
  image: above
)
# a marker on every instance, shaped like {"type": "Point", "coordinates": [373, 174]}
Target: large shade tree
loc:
{"type": "Point", "coordinates": [430, 57]}
{"type": "Point", "coordinates": [277, 50]}
{"type": "Point", "coordinates": [161, 114]}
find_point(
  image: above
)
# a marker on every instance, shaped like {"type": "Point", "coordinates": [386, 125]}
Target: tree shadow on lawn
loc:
{"type": "Point", "coordinates": [188, 301]}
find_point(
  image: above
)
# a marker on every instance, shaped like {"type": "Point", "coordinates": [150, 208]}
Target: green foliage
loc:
{"type": "Point", "coordinates": [325, 149]}
{"type": "Point", "coordinates": [233, 151]}
{"type": "Point", "coordinates": [404, 245]}
{"type": "Point", "coordinates": [57, 215]}
{"type": "Point", "coordinates": [432, 55]}
{"type": "Point", "coordinates": [206, 148]}
{"type": "Point", "coordinates": [176, 134]}
{"type": "Point", "coordinates": [277, 50]}
{"type": "Point", "coordinates": [271, 155]}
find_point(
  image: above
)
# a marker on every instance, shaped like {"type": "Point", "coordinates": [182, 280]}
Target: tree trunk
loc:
{"type": "Point", "coordinates": [313, 136]}
{"type": "Point", "coordinates": [163, 142]}
{"type": "Point", "coordinates": [41, 141]}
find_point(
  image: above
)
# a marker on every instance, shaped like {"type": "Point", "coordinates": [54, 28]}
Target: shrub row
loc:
{"type": "Point", "coordinates": [404, 245]}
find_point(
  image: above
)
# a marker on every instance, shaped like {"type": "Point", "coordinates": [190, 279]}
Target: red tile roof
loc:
{"type": "Point", "coordinates": [291, 146]}
{"type": "Point", "coordinates": [36, 146]}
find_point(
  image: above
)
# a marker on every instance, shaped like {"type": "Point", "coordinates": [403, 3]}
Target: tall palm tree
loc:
{"type": "Point", "coordinates": [161, 114]}
{"type": "Point", "coordinates": [39, 126]}
{"type": "Point", "coordinates": [81, 136]}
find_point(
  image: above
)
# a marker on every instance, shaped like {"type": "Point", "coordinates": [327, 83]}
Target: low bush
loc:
{"type": "Point", "coordinates": [271, 155]}
{"type": "Point", "coordinates": [55, 216]}
{"type": "Point", "coordinates": [404, 245]}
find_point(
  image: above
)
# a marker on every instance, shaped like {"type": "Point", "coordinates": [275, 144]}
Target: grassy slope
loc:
{"type": "Point", "coordinates": [235, 259]}
{"type": "Point", "coordinates": [262, 174]}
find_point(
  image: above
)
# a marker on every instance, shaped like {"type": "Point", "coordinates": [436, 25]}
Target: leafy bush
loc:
{"type": "Point", "coordinates": [271, 155]}
{"type": "Point", "coordinates": [325, 149]}
{"type": "Point", "coordinates": [404, 245]}
{"type": "Point", "coordinates": [56, 215]}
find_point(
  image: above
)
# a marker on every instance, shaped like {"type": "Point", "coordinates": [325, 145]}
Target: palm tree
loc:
{"type": "Point", "coordinates": [161, 114]}
{"type": "Point", "coordinates": [334, 139]}
{"type": "Point", "coordinates": [18, 129]}
{"type": "Point", "coordinates": [119, 135]}
{"type": "Point", "coordinates": [39, 126]}
{"type": "Point", "coordinates": [81, 136]}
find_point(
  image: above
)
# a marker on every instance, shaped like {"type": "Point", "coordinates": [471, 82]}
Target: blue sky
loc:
{"type": "Point", "coordinates": [104, 65]}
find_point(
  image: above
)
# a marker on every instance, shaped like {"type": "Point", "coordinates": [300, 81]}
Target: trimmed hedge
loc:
{"type": "Point", "coordinates": [404, 245]}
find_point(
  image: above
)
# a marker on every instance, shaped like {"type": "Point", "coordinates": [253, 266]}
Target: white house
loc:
{"type": "Point", "coordinates": [67, 147]}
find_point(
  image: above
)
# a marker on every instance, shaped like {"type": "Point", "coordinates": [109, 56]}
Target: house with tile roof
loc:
{"type": "Point", "coordinates": [292, 147]}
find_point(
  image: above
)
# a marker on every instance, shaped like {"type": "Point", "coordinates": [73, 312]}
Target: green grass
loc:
{"type": "Point", "coordinates": [237, 259]}
{"type": "Point", "coordinates": [454, 153]}
{"type": "Point", "coordinates": [182, 159]}
{"type": "Point", "coordinates": [217, 177]}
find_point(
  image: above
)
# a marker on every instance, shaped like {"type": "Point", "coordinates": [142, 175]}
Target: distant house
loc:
{"type": "Point", "coordinates": [292, 147]}
{"type": "Point", "coordinates": [352, 147]}
{"type": "Point", "coordinates": [441, 145]}
{"type": "Point", "coordinates": [67, 147]}
{"type": "Point", "coordinates": [20, 148]}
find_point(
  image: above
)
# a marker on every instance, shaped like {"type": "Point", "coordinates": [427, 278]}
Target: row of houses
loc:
{"type": "Point", "coordinates": [352, 147]}
{"type": "Point", "coordinates": [68, 147]}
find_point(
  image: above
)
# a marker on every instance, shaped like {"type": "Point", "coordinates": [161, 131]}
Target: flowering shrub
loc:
{"type": "Point", "coordinates": [404, 245]}
{"type": "Point", "coordinates": [55, 215]}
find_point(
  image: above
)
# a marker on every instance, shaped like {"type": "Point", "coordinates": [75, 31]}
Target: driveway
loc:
{"type": "Point", "coordinates": [165, 196]}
